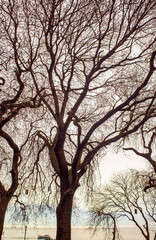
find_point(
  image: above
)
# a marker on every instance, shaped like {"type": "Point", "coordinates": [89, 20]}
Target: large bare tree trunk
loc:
{"type": "Point", "coordinates": [3, 208]}
{"type": "Point", "coordinates": [64, 212]}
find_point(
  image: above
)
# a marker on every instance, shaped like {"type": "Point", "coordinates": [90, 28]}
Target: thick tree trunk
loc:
{"type": "Point", "coordinates": [3, 208]}
{"type": "Point", "coordinates": [64, 212]}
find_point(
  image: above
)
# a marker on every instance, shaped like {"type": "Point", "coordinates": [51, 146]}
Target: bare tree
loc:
{"type": "Point", "coordinates": [14, 97]}
{"type": "Point", "coordinates": [106, 219]}
{"type": "Point", "coordinates": [91, 63]}
{"type": "Point", "coordinates": [11, 145]}
{"type": "Point", "coordinates": [124, 197]}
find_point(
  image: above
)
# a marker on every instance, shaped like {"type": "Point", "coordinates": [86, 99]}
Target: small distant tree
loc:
{"type": "Point", "coordinates": [124, 197]}
{"type": "Point", "coordinates": [106, 220]}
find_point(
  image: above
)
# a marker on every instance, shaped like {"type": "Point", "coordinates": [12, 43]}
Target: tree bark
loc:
{"type": "Point", "coordinates": [3, 208]}
{"type": "Point", "coordinates": [64, 212]}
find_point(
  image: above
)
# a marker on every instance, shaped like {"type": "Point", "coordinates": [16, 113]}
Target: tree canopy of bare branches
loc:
{"type": "Point", "coordinates": [14, 97]}
{"type": "Point", "coordinates": [90, 64]}
{"type": "Point", "coordinates": [124, 197]}
{"type": "Point", "coordinates": [148, 137]}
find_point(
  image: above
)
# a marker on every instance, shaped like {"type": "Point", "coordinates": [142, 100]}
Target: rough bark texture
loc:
{"type": "Point", "coordinates": [64, 212]}
{"type": "Point", "coordinates": [6, 195]}
{"type": "Point", "coordinates": [3, 208]}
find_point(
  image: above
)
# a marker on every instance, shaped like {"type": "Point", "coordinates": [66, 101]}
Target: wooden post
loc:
{"type": "Point", "coordinates": [25, 233]}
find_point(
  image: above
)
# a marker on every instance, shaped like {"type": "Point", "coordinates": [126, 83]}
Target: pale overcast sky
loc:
{"type": "Point", "coordinates": [114, 163]}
